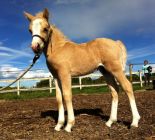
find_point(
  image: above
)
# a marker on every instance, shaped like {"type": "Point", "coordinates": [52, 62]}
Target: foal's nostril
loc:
{"type": "Point", "coordinates": [36, 47]}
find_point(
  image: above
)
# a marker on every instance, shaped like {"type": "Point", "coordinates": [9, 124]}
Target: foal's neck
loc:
{"type": "Point", "coordinates": [57, 40]}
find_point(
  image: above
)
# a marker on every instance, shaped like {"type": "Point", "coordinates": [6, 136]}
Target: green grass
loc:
{"type": "Point", "coordinates": [26, 95]}
{"type": "Point", "coordinates": [40, 94]}
{"type": "Point", "coordinates": [90, 90]}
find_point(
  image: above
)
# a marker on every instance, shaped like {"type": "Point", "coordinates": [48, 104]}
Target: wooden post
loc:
{"type": "Point", "coordinates": [50, 84]}
{"type": "Point", "coordinates": [80, 82]}
{"type": "Point", "coordinates": [130, 72]}
{"type": "Point", "coordinates": [18, 87]}
{"type": "Point", "coordinates": [140, 78]}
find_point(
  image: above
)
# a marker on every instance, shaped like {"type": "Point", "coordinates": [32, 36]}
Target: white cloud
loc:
{"type": "Point", "coordinates": [141, 52]}
{"type": "Point", "coordinates": [13, 51]}
{"type": "Point", "coordinates": [8, 55]}
{"type": "Point", "coordinates": [95, 18]}
{"type": "Point", "coordinates": [4, 54]}
{"type": "Point", "coordinates": [12, 72]}
{"type": "Point", "coordinates": [37, 74]}
{"type": "Point", "coordinates": [9, 71]}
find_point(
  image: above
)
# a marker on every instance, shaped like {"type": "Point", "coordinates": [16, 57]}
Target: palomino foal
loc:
{"type": "Point", "coordinates": [65, 59]}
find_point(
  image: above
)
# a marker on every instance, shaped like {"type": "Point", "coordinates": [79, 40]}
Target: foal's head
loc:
{"type": "Point", "coordinates": [40, 30]}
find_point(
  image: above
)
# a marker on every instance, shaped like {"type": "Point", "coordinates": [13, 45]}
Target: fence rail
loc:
{"type": "Point", "coordinates": [18, 87]}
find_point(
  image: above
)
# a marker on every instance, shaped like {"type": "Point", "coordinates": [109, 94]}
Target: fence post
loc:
{"type": "Point", "coordinates": [50, 84]}
{"type": "Point", "coordinates": [130, 72]}
{"type": "Point", "coordinates": [18, 87]}
{"type": "Point", "coordinates": [140, 78]}
{"type": "Point", "coordinates": [80, 82]}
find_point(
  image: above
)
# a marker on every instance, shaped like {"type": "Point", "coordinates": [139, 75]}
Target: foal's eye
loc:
{"type": "Point", "coordinates": [45, 30]}
{"type": "Point", "coordinates": [30, 31]}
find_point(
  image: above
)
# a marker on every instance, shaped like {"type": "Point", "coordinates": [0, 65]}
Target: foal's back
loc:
{"type": "Point", "coordinates": [86, 57]}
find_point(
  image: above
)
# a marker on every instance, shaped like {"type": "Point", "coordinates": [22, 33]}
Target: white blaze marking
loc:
{"type": "Point", "coordinates": [36, 27]}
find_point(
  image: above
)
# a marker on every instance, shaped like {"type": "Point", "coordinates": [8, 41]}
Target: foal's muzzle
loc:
{"type": "Point", "coordinates": [37, 47]}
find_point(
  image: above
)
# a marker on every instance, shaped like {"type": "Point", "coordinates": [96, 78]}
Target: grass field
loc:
{"type": "Point", "coordinates": [40, 94]}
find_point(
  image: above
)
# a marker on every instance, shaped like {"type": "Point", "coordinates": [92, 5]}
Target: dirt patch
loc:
{"type": "Point", "coordinates": [35, 119]}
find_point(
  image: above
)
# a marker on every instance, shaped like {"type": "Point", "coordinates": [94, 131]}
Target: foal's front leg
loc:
{"type": "Point", "coordinates": [61, 117]}
{"type": "Point", "coordinates": [67, 94]}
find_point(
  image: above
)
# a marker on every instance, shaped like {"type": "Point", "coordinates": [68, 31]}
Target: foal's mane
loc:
{"type": "Point", "coordinates": [58, 33]}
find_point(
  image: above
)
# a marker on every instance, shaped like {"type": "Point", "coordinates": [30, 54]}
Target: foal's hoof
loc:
{"type": "Point", "coordinates": [134, 125]}
{"type": "Point", "coordinates": [58, 127]}
{"type": "Point", "coordinates": [135, 122]}
{"type": "Point", "coordinates": [108, 124]}
{"type": "Point", "coordinates": [69, 126]}
{"type": "Point", "coordinates": [67, 129]}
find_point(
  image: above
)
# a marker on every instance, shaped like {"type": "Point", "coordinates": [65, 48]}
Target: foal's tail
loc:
{"type": "Point", "coordinates": [123, 56]}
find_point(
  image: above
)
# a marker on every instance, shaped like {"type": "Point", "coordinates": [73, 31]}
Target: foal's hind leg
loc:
{"type": "Point", "coordinates": [127, 87]}
{"type": "Point", "coordinates": [114, 90]}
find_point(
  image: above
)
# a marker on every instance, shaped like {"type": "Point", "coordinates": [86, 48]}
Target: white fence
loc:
{"type": "Point", "coordinates": [18, 88]}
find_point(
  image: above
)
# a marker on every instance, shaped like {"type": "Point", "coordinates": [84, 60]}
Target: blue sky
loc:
{"type": "Point", "coordinates": [131, 21]}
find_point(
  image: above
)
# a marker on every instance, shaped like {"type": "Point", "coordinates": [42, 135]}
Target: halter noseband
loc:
{"type": "Point", "coordinates": [40, 38]}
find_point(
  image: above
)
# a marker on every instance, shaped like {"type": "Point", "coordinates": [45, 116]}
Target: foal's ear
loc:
{"type": "Point", "coordinates": [46, 13]}
{"type": "Point", "coordinates": [28, 16]}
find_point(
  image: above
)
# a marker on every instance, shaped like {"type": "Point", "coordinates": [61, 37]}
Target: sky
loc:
{"type": "Point", "coordinates": [131, 21]}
